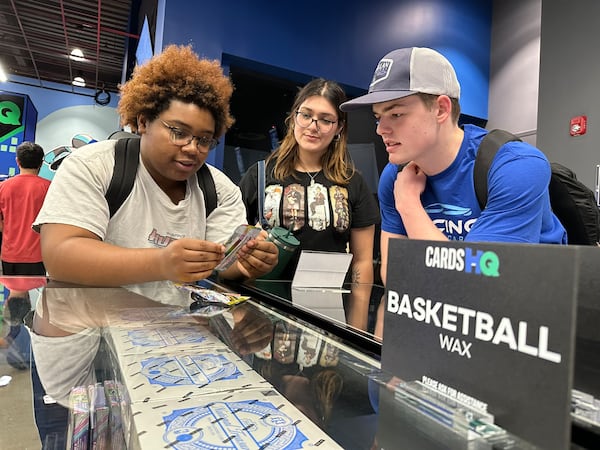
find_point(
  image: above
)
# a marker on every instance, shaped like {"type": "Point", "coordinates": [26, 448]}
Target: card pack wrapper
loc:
{"type": "Point", "coordinates": [207, 302]}
{"type": "Point", "coordinates": [236, 241]}
{"type": "Point", "coordinates": [79, 418]}
{"type": "Point", "coordinates": [116, 415]}
{"type": "Point", "coordinates": [99, 417]}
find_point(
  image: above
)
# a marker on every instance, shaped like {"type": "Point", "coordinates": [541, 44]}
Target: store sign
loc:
{"type": "Point", "coordinates": [491, 325]}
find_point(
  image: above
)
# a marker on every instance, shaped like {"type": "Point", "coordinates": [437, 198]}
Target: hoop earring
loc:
{"type": "Point", "coordinates": [336, 138]}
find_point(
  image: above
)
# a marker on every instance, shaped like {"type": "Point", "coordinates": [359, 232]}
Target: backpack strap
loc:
{"type": "Point", "coordinates": [127, 157]}
{"type": "Point", "coordinates": [207, 185]}
{"type": "Point", "coordinates": [488, 148]}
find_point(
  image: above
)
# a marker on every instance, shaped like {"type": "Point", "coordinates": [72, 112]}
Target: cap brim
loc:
{"type": "Point", "coordinates": [373, 97]}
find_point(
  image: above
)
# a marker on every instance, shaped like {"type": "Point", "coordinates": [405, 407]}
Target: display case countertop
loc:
{"type": "Point", "coordinates": [111, 367]}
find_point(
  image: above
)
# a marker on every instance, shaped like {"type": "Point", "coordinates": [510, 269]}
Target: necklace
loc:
{"type": "Point", "coordinates": [312, 177]}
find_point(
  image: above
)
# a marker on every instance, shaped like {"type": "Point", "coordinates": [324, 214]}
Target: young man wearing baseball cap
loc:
{"type": "Point", "coordinates": [414, 96]}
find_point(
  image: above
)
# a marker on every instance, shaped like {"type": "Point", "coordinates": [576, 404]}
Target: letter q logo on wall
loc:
{"type": "Point", "coordinates": [11, 108]}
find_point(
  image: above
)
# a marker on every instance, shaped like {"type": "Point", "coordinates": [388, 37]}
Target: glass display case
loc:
{"type": "Point", "coordinates": [112, 369]}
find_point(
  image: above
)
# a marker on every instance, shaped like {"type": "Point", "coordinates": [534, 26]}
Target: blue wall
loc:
{"type": "Point", "coordinates": [62, 113]}
{"type": "Point", "coordinates": [341, 40]}
{"type": "Point", "coordinates": [54, 96]}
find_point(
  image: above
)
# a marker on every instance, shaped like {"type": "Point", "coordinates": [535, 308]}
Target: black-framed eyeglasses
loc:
{"type": "Point", "coordinates": [181, 138]}
{"type": "Point", "coordinates": [305, 120]}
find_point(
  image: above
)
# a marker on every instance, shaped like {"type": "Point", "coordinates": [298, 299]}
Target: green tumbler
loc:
{"type": "Point", "coordinates": [287, 244]}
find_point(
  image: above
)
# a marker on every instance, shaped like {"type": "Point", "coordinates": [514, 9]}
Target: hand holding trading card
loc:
{"type": "Point", "coordinates": [258, 257]}
{"type": "Point", "coordinates": [234, 244]}
{"type": "Point", "coordinates": [188, 260]}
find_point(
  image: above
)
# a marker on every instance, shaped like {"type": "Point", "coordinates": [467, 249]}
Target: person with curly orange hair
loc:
{"type": "Point", "coordinates": [178, 104]}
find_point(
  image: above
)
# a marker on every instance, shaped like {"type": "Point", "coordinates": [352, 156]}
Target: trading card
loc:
{"type": "Point", "coordinates": [238, 239]}
{"type": "Point", "coordinates": [285, 343]}
{"type": "Point", "coordinates": [99, 416]}
{"type": "Point", "coordinates": [79, 418]}
{"type": "Point", "coordinates": [308, 352]}
{"type": "Point", "coordinates": [330, 356]}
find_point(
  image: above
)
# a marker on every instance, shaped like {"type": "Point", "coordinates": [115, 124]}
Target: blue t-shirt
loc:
{"type": "Point", "coordinates": [518, 207]}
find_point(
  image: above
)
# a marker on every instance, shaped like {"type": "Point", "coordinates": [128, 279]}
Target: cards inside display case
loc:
{"type": "Point", "coordinates": [99, 417]}
{"type": "Point", "coordinates": [240, 420]}
{"type": "Point", "coordinates": [463, 419]}
{"type": "Point", "coordinates": [79, 418]}
{"type": "Point", "coordinates": [138, 317]}
{"type": "Point", "coordinates": [585, 408]}
{"type": "Point", "coordinates": [186, 375]}
{"type": "Point", "coordinates": [285, 342]}
{"type": "Point", "coordinates": [161, 339]}
{"type": "Point", "coordinates": [308, 351]}
{"type": "Point", "coordinates": [119, 417]}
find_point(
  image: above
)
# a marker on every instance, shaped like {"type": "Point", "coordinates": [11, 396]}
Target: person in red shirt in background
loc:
{"type": "Point", "coordinates": [21, 198]}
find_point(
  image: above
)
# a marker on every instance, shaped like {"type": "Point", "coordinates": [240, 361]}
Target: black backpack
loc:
{"type": "Point", "coordinates": [127, 152]}
{"type": "Point", "coordinates": [572, 202]}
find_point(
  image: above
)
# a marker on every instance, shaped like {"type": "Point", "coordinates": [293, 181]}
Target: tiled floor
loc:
{"type": "Point", "coordinates": [17, 427]}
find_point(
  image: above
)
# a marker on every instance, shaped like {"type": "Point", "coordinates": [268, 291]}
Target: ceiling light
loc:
{"type": "Point", "coordinates": [78, 81]}
{"type": "Point", "coordinates": [76, 55]}
{"type": "Point", "coordinates": [3, 76]}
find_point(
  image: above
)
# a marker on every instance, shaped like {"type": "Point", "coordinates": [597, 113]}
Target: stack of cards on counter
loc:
{"type": "Point", "coordinates": [239, 420]}
{"type": "Point", "coordinates": [185, 375]}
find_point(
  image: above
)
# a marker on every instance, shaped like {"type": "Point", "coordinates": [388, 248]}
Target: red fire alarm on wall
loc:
{"type": "Point", "coordinates": [578, 126]}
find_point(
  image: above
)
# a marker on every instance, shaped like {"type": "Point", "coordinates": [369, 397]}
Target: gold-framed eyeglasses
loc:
{"type": "Point", "coordinates": [305, 120]}
{"type": "Point", "coordinates": [181, 138]}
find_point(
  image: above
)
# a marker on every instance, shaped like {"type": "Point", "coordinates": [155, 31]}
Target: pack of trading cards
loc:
{"type": "Point", "coordinates": [236, 241]}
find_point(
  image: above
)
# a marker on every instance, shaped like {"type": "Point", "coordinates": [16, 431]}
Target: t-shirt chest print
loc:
{"type": "Point", "coordinates": [307, 205]}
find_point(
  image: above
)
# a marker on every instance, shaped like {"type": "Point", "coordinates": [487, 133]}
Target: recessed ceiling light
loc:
{"type": "Point", "coordinates": [77, 55]}
{"type": "Point", "coordinates": [78, 81]}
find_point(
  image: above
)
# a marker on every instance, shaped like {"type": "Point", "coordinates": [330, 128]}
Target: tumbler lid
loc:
{"type": "Point", "coordinates": [285, 236]}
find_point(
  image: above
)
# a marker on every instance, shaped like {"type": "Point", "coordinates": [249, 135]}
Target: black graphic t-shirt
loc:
{"type": "Point", "coordinates": [319, 212]}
